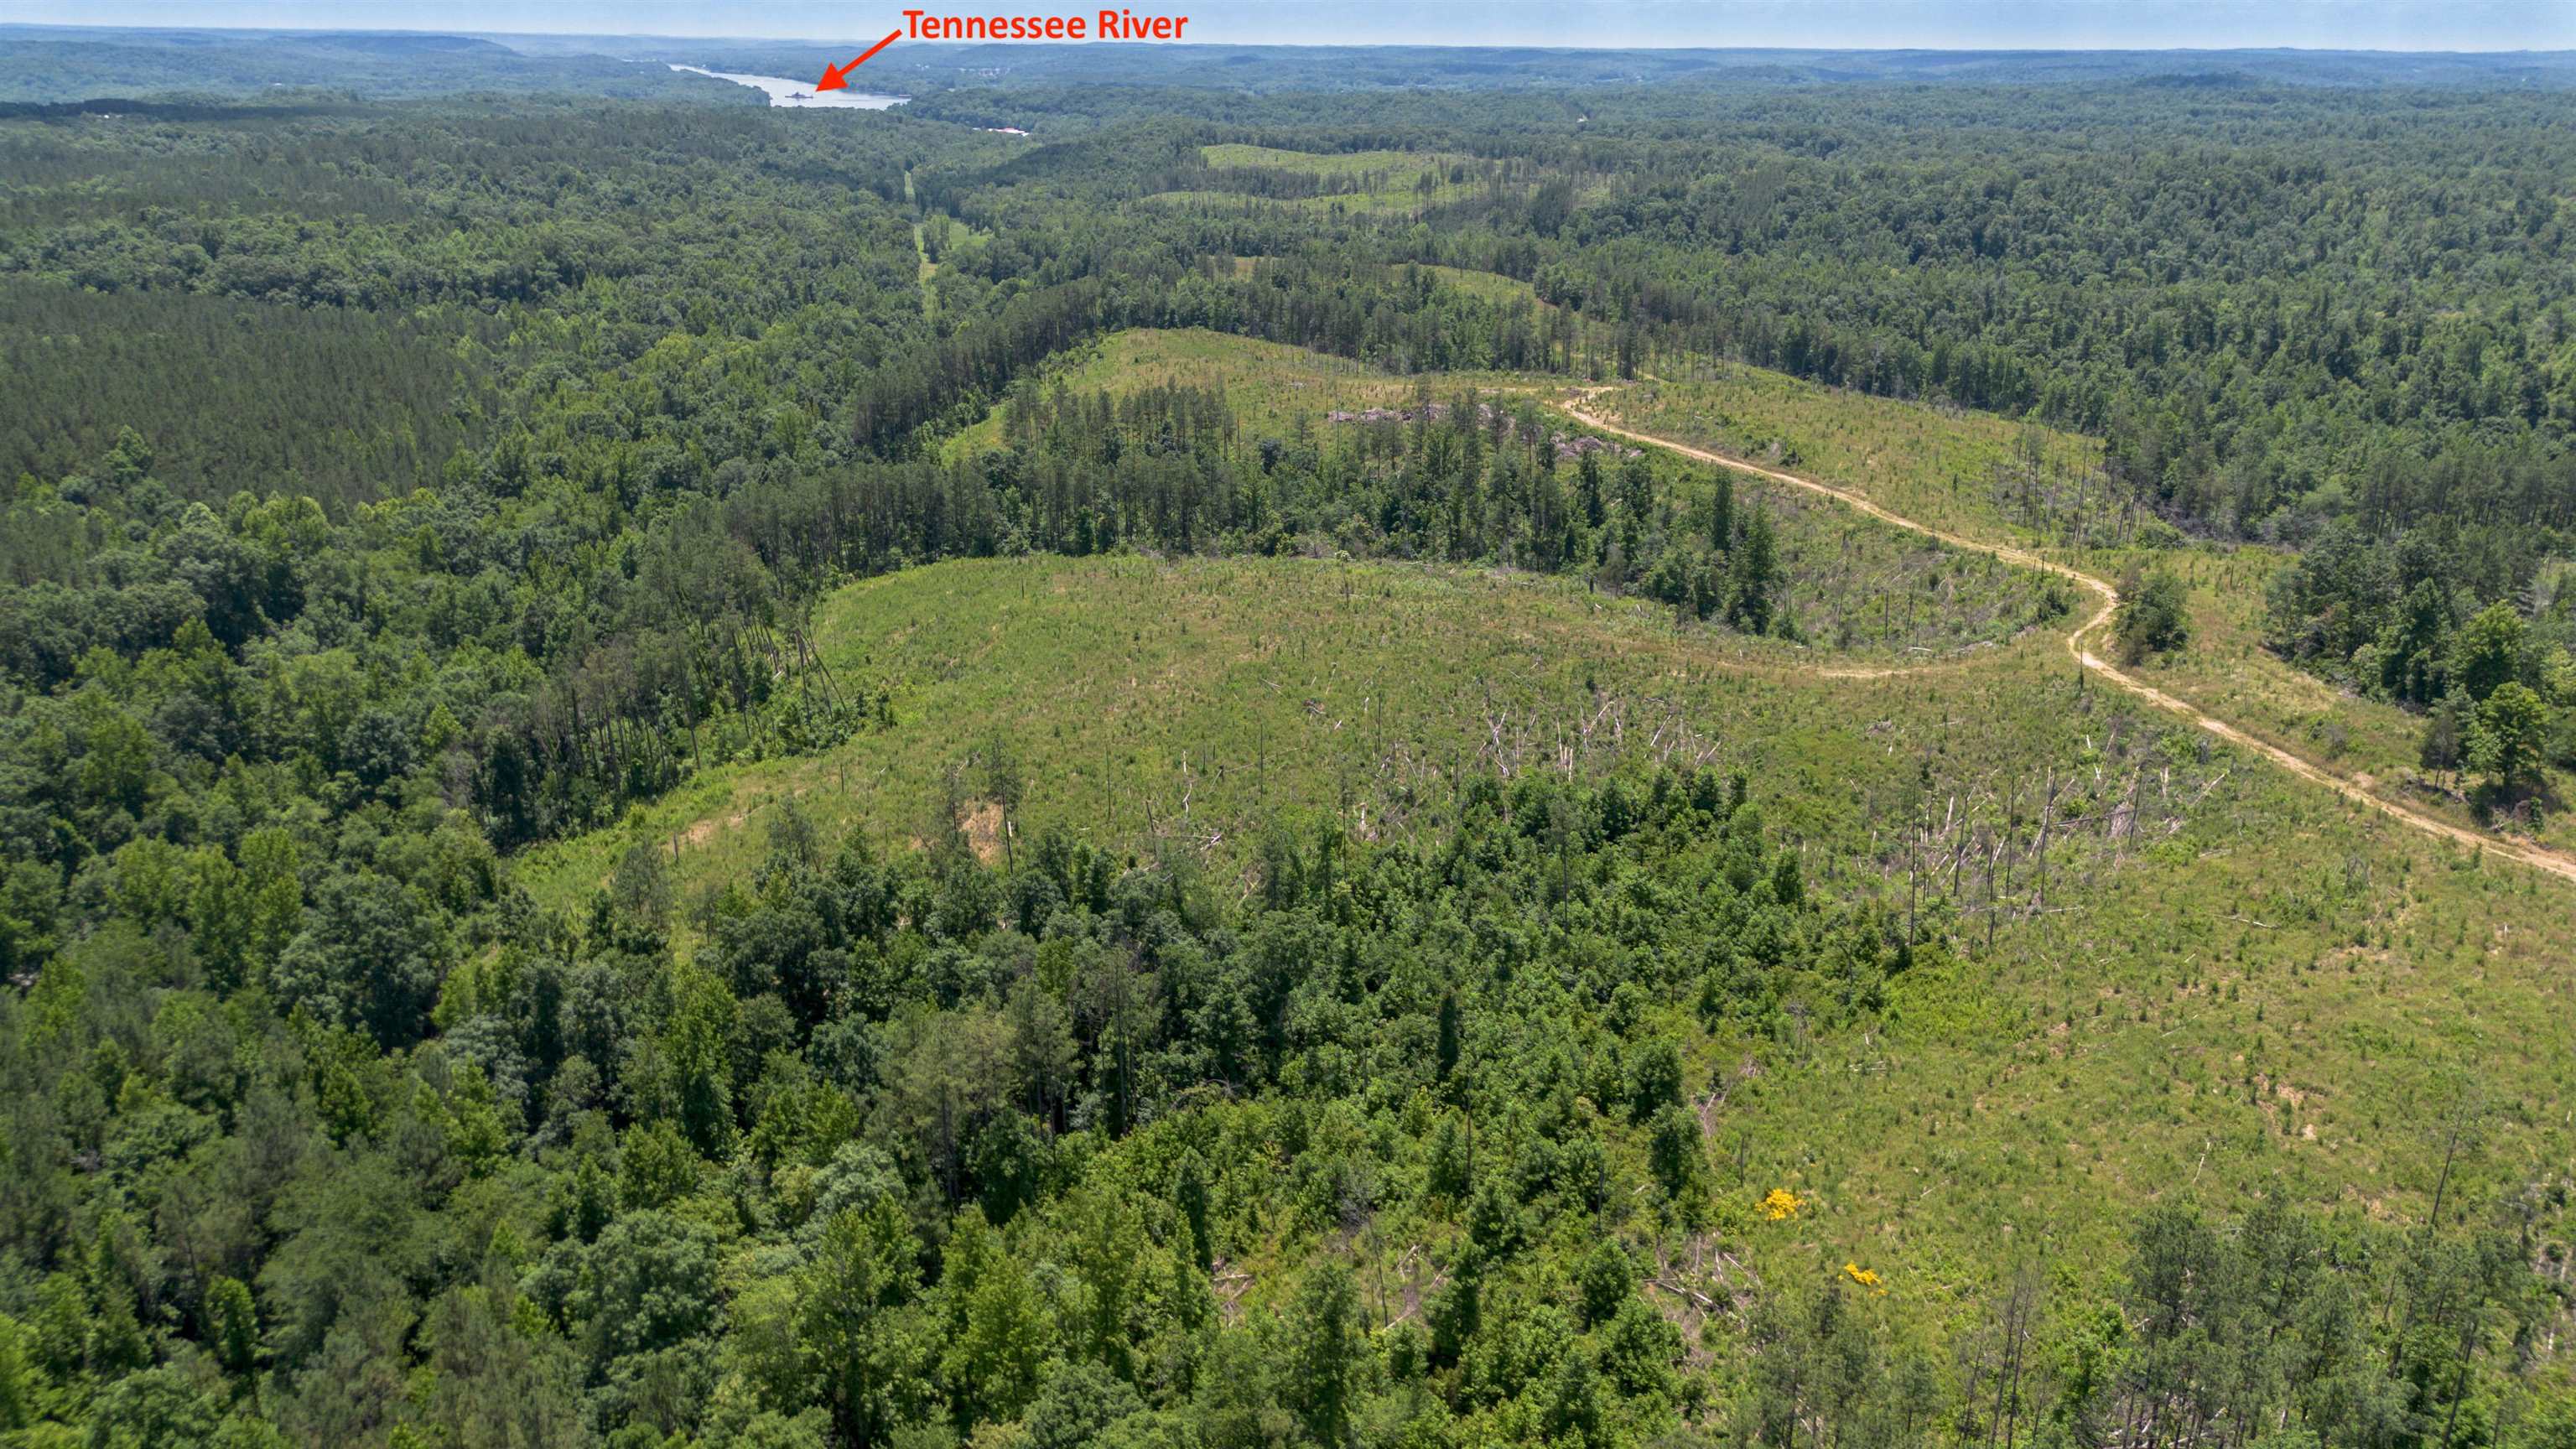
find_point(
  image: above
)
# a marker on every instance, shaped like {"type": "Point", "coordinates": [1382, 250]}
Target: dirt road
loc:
{"type": "Point", "coordinates": [2537, 857]}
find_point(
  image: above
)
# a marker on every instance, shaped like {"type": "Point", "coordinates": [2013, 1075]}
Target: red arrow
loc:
{"type": "Point", "coordinates": [836, 77]}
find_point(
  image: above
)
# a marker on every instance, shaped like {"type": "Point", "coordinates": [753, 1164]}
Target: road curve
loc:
{"type": "Point", "coordinates": [2537, 857]}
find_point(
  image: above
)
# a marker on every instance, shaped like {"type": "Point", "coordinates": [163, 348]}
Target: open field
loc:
{"type": "Point", "coordinates": [1393, 201]}
{"type": "Point", "coordinates": [1974, 475]}
{"type": "Point", "coordinates": [1338, 163]}
{"type": "Point", "coordinates": [2219, 981]}
{"type": "Point", "coordinates": [1488, 286]}
{"type": "Point", "coordinates": [1355, 691]}
{"type": "Point", "coordinates": [1948, 467]}
{"type": "Point", "coordinates": [1885, 596]}
{"type": "Point", "coordinates": [1270, 385]}
{"type": "Point", "coordinates": [1358, 182]}
{"type": "Point", "coordinates": [1491, 286]}
{"type": "Point", "coordinates": [2227, 670]}
{"type": "Point", "coordinates": [2251, 962]}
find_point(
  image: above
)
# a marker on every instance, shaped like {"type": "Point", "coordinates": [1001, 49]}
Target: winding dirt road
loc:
{"type": "Point", "coordinates": [2537, 857]}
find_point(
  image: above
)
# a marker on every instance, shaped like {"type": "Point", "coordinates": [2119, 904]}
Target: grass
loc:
{"type": "Point", "coordinates": [2227, 670]}
{"type": "Point", "coordinates": [1990, 478]}
{"type": "Point", "coordinates": [1486, 286]}
{"type": "Point", "coordinates": [1326, 163]}
{"type": "Point", "coordinates": [1490, 286]}
{"type": "Point", "coordinates": [2261, 990]}
{"type": "Point", "coordinates": [2213, 983]}
{"type": "Point", "coordinates": [1398, 201]}
{"type": "Point", "coordinates": [1859, 586]}
{"type": "Point", "coordinates": [1366, 181]}
{"type": "Point", "coordinates": [949, 238]}
{"type": "Point", "coordinates": [1856, 585]}
{"type": "Point", "coordinates": [1301, 684]}
{"type": "Point", "coordinates": [1938, 465]}
{"type": "Point", "coordinates": [1271, 386]}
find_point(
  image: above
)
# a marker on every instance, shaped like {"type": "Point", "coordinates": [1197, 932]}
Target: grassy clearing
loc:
{"type": "Point", "coordinates": [2227, 670]}
{"type": "Point", "coordinates": [1938, 465]}
{"type": "Point", "coordinates": [1351, 690]}
{"type": "Point", "coordinates": [1978, 475]}
{"type": "Point", "coordinates": [1355, 181]}
{"type": "Point", "coordinates": [1402, 200]}
{"type": "Point", "coordinates": [1490, 286]}
{"type": "Point", "coordinates": [1326, 163]}
{"type": "Point", "coordinates": [2252, 988]}
{"type": "Point", "coordinates": [1486, 286]}
{"type": "Point", "coordinates": [1271, 386]}
{"type": "Point", "coordinates": [1855, 586]}
{"type": "Point", "coordinates": [2211, 983]}
{"type": "Point", "coordinates": [1859, 587]}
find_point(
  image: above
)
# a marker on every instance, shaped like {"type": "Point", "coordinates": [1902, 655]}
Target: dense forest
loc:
{"type": "Point", "coordinates": [403, 483]}
{"type": "Point", "coordinates": [914, 1148]}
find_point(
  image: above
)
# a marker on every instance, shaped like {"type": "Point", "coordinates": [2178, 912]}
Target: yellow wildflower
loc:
{"type": "Point", "coordinates": [1780, 1203]}
{"type": "Point", "coordinates": [1865, 1277]}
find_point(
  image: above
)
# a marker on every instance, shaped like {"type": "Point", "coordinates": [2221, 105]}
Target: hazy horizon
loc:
{"type": "Point", "coordinates": [2400, 26]}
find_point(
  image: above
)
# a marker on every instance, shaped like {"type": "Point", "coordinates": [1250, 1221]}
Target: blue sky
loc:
{"type": "Point", "coordinates": [1941, 24]}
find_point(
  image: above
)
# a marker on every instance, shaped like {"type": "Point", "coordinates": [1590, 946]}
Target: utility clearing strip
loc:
{"type": "Point", "coordinates": [2537, 857]}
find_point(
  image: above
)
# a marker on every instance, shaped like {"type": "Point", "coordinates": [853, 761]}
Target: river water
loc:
{"type": "Point", "coordinates": [784, 92]}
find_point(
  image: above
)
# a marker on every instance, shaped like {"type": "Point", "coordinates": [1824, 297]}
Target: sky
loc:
{"type": "Point", "coordinates": [1839, 24]}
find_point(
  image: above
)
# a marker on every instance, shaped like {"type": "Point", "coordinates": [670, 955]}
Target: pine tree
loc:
{"type": "Point", "coordinates": [18, 1381]}
{"type": "Point", "coordinates": [867, 1350]}
{"type": "Point", "coordinates": [1677, 1157]}
{"type": "Point", "coordinates": [232, 1326]}
{"type": "Point", "coordinates": [1325, 1354]}
{"type": "Point", "coordinates": [991, 1367]}
{"type": "Point", "coordinates": [1190, 1196]}
{"type": "Point", "coordinates": [1445, 1054]}
{"type": "Point", "coordinates": [1604, 1279]}
{"type": "Point", "coordinates": [1755, 577]}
